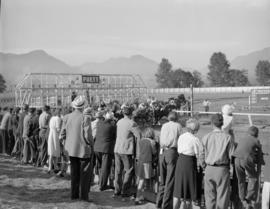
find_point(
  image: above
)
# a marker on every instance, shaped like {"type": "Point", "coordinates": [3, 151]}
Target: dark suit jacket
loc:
{"type": "Point", "coordinates": [105, 137]}
{"type": "Point", "coordinates": [248, 148]}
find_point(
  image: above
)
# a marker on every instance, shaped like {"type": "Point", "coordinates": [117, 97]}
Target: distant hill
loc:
{"type": "Point", "coordinates": [136, 64]}
{"type": "Point", "coordinates": [15, 66]}
{"type": "Point", "coordinates": [250, 61]}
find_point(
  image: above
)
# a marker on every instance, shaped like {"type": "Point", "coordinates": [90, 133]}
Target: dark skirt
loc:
{"type": "Point", "coordinates": [185, 185]}
{"type": "Point", "coordinates": [144, 170]}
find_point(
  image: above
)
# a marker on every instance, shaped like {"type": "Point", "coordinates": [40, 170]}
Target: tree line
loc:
{"type": "Point", "coordinates": [219, 74]}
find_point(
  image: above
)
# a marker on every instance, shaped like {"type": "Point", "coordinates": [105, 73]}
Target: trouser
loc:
{"type": "Point", "coordinates": [18, 147]}
{"type": "Point", "coordinates": [167, 162]}
{"type": "Point", "coordinates": [266, 195]}
{"type": "Point", "coordinates": [80, 173]}
{"type": "Point", "coordinates": [217, 187]}
{"type": "Point", "coordinates": [104, 165]}
{"type": "Point", "coordinates": [28, 149]}
{"type": "Point", "coordinates": [10, 142]}
{"type": "Point", "coordinates": [4, 141]}
{"type": "Point", "coordinates": [122, 186]}
{"type": "Point", "coordinates": [43, 154]}
{"type": "Point", "coordinates": [64, 159]}
{"type": "Point", "coordinates": [243, 167]}
{"type": "Point", "coordinates": [234, 197]}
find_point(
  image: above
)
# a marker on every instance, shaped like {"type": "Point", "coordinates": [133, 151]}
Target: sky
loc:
{"type": "Point", "coordinates": [186, 32]}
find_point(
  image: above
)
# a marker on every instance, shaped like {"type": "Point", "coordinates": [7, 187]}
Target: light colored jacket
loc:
{"type": "Point", "coordinates": [126, 131]}
{"type": "Point", "coordinates": [79, 140]}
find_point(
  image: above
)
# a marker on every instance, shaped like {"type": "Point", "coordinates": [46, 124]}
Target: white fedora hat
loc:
{"type": "Point", "coordinates": [78, 102]}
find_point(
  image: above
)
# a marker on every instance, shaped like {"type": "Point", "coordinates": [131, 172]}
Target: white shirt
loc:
{"type": "Point", "coordinates": [169, 134]}
{"type": "Point", "coordinates": [227, 123]}
{"type": "Point", "coordinates": [188, 144]}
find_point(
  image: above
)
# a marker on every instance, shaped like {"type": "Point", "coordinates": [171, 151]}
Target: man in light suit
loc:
{"type": "Point", "coordinates": [124, 152]}
{"type": "Point", "coordinates": [79, 145]}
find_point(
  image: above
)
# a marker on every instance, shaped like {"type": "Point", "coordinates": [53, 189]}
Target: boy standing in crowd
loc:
{"type": "Point", "coordinates": [218, 149]}
{"type": "Point", "coordinates": [247, 157]}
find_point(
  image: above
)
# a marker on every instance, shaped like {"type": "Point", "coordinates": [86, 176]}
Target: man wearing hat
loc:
{"type": "Point", "coordinates": [124, 151]}
{"type": "Point", "coordinates": [79, 145]}
{"type": "Point", "coordinates": [103, 147]}
{"type": "Point", "coordinates": [218, 148]}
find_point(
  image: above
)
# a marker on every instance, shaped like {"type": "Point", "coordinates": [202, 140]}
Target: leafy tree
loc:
{"type": "Point", "coordinates": [237, 78]}
{"type": "Point", "coordinates": [197, 79]}
{"type": "Point", "coordinates": [2, 84]}
{"type": "Point", "coordinates": [164, 74]}
{"type": "Point", "coordinates": [263, 72]}
{"type": "Point", "coordinates": [181, 78]}
{"type": "Point", "coordinates": [218, 70]}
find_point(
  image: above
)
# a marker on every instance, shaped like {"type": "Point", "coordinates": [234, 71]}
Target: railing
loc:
{"type": "Point", "coordinates": [238, 89]}
{"type": "Point", "coordinates": [249, 115]}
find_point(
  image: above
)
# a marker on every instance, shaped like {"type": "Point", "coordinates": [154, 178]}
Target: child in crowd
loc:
{"type": "Point", "coordinates": [147, 148]}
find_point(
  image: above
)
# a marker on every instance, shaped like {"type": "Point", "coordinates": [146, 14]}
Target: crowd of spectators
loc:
{"type": "Point", "coordinates": [122, 145]}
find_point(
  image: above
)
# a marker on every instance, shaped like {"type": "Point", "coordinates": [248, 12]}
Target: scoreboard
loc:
{"type": "Point", "coordinates": [261, 96]}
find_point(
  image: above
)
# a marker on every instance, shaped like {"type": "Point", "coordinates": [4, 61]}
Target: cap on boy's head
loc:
{"type": "Point", "coordinates": [253, 131]}
{"type": "Point", "coordinates": [172, 116]}
{"type": "Point", "coordinates": [217, 120]}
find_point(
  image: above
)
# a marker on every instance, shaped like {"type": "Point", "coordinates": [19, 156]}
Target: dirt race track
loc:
{"type": "Point", "coordinates": [28, 187]}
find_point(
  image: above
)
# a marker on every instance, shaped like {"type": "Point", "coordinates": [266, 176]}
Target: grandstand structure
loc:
{"type": "Point", "coordinates": [56, 89]}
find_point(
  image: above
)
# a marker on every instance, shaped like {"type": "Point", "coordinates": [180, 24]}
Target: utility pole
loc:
{"type": "Point", "coordinates": [191, 100]}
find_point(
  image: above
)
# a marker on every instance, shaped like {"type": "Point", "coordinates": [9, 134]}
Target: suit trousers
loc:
{"type": "Point", "coordinates": [18, 146]}
{"type": "Point", "coordinates": [167, 163]}
{"type": "Point", "coordinates": [122, 161]}
{"type": "Point", "coordinates": [28, 149]}
{"type": "Point", "coordinates": [80, 173]}
{"type": "Point", "coordinates": [42, 147]}
{"type": "Point", "coordinates": [4, 138]}
{"type": "Point", "coordinates": [266, 195]}
{"type": "Point", "coordinates": [104, 162]}
{"type": "Point", "coordinates": [217, 187]}
{"type": "Point", "coordinates": [243, 167]}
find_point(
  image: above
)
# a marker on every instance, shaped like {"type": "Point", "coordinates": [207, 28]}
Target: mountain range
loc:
{"type": "Point", "coordinates": [14, 66]}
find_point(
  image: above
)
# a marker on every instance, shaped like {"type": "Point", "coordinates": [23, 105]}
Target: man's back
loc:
{"type": "Point", "coordinates": [125, 136]}
{"type": "Point", "coordinates": [169, 134]}
{"type": "Point", "coordinates": [75, 142]}
{"type": "Point", "coordinates": [218, 148]}
{"type": "Point", "coordinates": [105, 137]}
{"type": "Point", "coordinates": [5, 121]}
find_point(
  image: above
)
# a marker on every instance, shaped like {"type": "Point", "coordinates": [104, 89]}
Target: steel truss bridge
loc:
{"type": "Point", "coordinates": [55, 89]}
